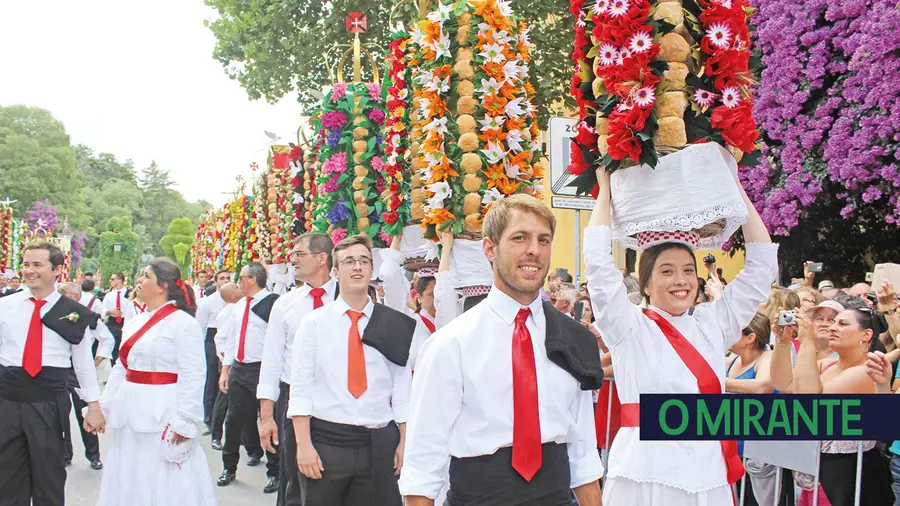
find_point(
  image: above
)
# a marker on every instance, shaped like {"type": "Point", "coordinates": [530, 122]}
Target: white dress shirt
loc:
{"type": "Point", "coordinates": [396, 286]}
{"type": "Point", "coordinates": [15, 318]}
{"type": "Point", "coordinates": [645, 362]}
{"type": "Point", "coordinates": [287, 314]}
{"type": "Point", "coordinates": [446, 304]}
{"type": "Point", "coordinates": [104, 338]}
{"type": "Point", "coordinates": [174, 345]}
{"type": "Point", "coordinates": [255, 337]}
{"type": "Point", "coordinates": [87, 298]}
{"type": "Point", "coordinates": [109, 302]}
{"type": "Point", "coordinates": [319, 373]}
{"type": "Point", "coordinates": [462, 403]}
{"type": "Point", "coordinates": [208, 309]}
{"type": "Point", "coordinates": [224, 335]}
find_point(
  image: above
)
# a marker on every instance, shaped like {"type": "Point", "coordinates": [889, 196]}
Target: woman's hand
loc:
{"type": "Point", "coordinates": [879, 369]}
{"type": "Point", "coordinates": [447, 239]}
{"type": "Point", "coordinates": [887, 297]}
{"type": "Point", "coordinates": [805, 329]}
{"type": "Point", "coordinates": [178, 438]}
{"type": "Point", "coordinates": [714, 286]}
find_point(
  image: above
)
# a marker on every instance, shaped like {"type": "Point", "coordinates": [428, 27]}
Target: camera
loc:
{"type": "Point", "coordinates": [709, 259]}
{"type": "Point", "coordinates": [786, 318]}
{"type": "Point", "coordinates": [816, 267]}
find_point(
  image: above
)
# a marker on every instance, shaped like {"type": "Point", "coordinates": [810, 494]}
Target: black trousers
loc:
{"type": "Point", "coordinates": [212, 381]}
{"type": "Point", "coordinates": [116, 330]}
{"type": "Point", "coordinates": [32, 448]}
{"type": "Point", "coordinates": [241, 417]}
{"type": "Point", "coordinates": [490, 480]}
{"type": "Point", "coordinates": [289, 476]}
{"type": "Point", "coordinates": [91, 442]}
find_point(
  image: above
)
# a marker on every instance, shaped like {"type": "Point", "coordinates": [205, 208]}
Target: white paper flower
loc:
{"type": "Point", "coordinates": [719, 35]}
{"type": "Point", "coordinates": [492, 123]}
{"type": "Point", "coordinates": [623, 52]}
{"type": "Point", "coordinates": [493, 53]}
{"type": "Point", "coordinates": [493, 153]}
{"type": "Point", "coordinates": [607, 54]}
{"type": "Point", "coordinates": [644, 97]}
{"type": "Point", "coordinates": [505, 9]}
{"type": "Point", "coordinates": [441, 190]}
{"type": "Point", "coordinates": [489, 86]}
{"type": "Point", "coordinates": [618, 8]}
{"type": "Point", "coordinates": [424, 107]}
{"type": "Point", "coordinates": [443, 46]}
{"type": "Point", "coordinates": [437, 125]}
{"type": "Point", "coordinates": [640, 43]}
{"type": "Point", "coordinates": [491, 195]}
{"type": "Point", "coordinates": [580, 23]}
{"type": "Point", "coordinates": [442, 14]}
{"type": "Point", "coordinates": [433, 159]}
{"type": "Point", "coordinates": [503, 37]}
{"type": "Point", "coordinates": [403, 94]}
{"type": "Point", "coordinates": [600, 6]}
{"type": "Point", "coordinates": [731, 97]}
{"type": "Point", "coordinates": [514, 141]}
{"type": "Point", "coordinates": [512, 170]}
{"type": "Point", "coordinates": [483, 28]}
{"type": "Point", "coordinates": [514, 71]}
{"type": "Point", "coordinates": [514, 108]}
{"type": "Point", "coordinates": [704, 98]}
{"type": "Point", "coordinates": [439, 86]}
{"type": "Point", "coordinates": [525, 37]}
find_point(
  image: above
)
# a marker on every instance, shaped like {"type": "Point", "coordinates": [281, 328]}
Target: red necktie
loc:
{"type": "Point", "coordinates": [32, 357]}
{"type": "Point", "coordinates": [356, 358]}
{"type": "Point", "coordinates": [526, 449]}
{"type": "Point", "coordinates": [240, 355]}
{"type": "Point", "coordinates": [428, 323]}
{"type": "Point", "coordinates": [119, 305]}
{"type": "Point", "coordinates": [317, 294]}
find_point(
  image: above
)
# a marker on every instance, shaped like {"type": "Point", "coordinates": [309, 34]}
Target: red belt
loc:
{"type": "Point", "coordinates": [631, 415]}
{"type": "Point", "coordinates": [151, 378]}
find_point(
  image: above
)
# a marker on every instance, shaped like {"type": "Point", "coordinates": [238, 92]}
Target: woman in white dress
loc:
{"type": "Point", "coordinates": [670, 473]}
{"type": "Point", "coordinates": [153, 402]}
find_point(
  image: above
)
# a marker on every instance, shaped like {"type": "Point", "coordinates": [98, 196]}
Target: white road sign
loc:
{"type": "Point", "coordinates": [582, 204]}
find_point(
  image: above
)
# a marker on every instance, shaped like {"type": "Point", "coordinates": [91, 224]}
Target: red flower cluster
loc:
{"type": "Point", "coordinates": [396, 137]}
{"type": "Point", "coordinates": [726, 45]}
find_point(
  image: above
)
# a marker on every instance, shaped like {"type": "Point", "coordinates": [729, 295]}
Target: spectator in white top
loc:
{"type": "Point", "coordinates": [208, 309]}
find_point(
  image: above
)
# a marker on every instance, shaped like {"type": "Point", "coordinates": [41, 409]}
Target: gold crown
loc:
{"type": "Point", "coordinates": [356, 49]}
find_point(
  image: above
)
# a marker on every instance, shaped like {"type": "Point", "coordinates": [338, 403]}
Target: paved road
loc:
{"type": "Point", "coordinates": [83, 483]}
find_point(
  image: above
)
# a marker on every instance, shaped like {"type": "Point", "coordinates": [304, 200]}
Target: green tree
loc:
{"type": "Point", "coordinates": [177, 243]}
{"type": "Point", "coordinates": [102, 167]}
{"type": "Point", "coordinates": [37, 162]}
{"type": "Point", "coordinates": [275, 47]}
{"type": "Point", "coordinates": [118, 235]}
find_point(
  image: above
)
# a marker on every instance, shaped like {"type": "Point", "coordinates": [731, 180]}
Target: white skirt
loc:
{"type": "Point", "coordinates": [136, 473]}
{"type": "Point", "coordinates": [624, 491]}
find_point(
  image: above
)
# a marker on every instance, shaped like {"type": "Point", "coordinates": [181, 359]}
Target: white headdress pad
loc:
{"type": "Point", "coordinates": [413, 245]}
{"type": "Point", "coordinates": [687, 190]}
{"type": "Point", "coordinates": [469, 265]}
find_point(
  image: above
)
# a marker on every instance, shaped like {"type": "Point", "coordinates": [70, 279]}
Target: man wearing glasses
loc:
{"type": "Point", "coordinates": [311, 256]}
{"type": "Point", "coordinates": [241, 369]}
{"type": "Point", "coordinates": [350, 385]}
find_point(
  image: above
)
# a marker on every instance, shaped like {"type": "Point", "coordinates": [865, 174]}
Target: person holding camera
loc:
{"type": "Point", "coordinates": [853, 336]}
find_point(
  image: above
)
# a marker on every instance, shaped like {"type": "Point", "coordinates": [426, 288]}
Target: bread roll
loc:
{"type": "Point", "coordinates": [603, 144]}
{"type": "Point", "coordinates": [363, 224]}
{"type": "Point", "coordinates": [464, 70]}
{"type": "Point", "coordinates": [736, 153]}
{"type": "Point", "coordinates": [416, 195]}
{"type": "Point", "coordinates": [466, 105]}
{"type": "Point", "coordinates": [360, 171]}
{"type": "Point", "coordinates": [468, 142]}
{"type": "Point", "coordinates": [360, 133]}
{"type": "Point", "coordinates": [359, 184]}
{"type": "Point", "coordinates": [671, 133]}
{"type": "Point", "coordinates": [471, 183]}
{"type": "Point", "coordinates": [359, 197]}
{"type": "Point", "coordinates": [360, 146]}
{"type": "Point", "coordinates": [473, 223]}
{"type": "Point", "coordinates": [472, 204]}
{"type": "Point", "coordinates": [471, 163]}
{"type": "Point", "coordinates": [673, 48]}
{"type": "Point", "coordinates": [676, 75]}
{"type": "Point", "coordinates": [465, 88]}
{"type": "Point", "coordinates": [416, 211]}
{"type": "Point", "coordinates": [602, 125]}
{"type": "Point", "coordinates": [671, 104]}
{"type": "Point", "coordinates": [670, 12]}
{"type": "Point", "coordinates": [466, 124]}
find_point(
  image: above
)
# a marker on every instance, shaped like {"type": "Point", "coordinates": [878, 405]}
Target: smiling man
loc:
{"type": "Point", "coordinates": [528, 448]}
{"type": "Point", "coordinates": [42, 336]}
{"type": "Point", "coordinates": [350, 382]}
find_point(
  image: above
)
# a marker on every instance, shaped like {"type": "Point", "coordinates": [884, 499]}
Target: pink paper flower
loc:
{"type": "Point", "coordinates": [374, 91]}
{"type": "Point", "coordinates": [377, 115]}
{"type": "Point", "coordinates": [338, 235]}
{"type": "Point", "coordinates": [340, 89]}
{"type": "Point", "coordinates": [337, 164]}
{"type": "Point", "coordinates": [385, 238]}
{"type": "Point", "coordinates": [377, 164]}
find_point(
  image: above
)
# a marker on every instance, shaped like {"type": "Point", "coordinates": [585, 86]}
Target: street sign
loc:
{"type": "Point", "coordinates": [561, 132]}
{"type": "Point", "coordinates": [579, 204]}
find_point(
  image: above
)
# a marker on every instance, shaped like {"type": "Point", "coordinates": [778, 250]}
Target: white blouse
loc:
{"type": "Point", "coordinates": [173, 345]}
{"type": "Point", "coordinates": [644, 361]}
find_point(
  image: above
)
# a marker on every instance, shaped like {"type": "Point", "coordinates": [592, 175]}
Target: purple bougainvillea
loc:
{"type": "Point", "coordinates": [829, 106]}
{"type": "Point", "coordinates": [42, 215]}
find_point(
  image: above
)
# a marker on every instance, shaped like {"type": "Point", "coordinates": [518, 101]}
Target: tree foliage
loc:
{"type": "Point", "coordinates": [119, 232]}
{"type": "Point", "coordinates": [178, 241]}
{"type": "Point", "coordinates": [276, 47]}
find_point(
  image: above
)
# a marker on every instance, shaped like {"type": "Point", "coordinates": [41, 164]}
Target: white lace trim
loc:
{"type": "Point", "coordinates": [734, 213]}
{"type": "Point", "coordinates": [665, 483]}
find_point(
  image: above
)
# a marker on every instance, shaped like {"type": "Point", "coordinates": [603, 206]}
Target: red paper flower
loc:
{"type": "Point", "coordinates": [622, 142]}
{"type": "Point", "coordinates": [736, 125]}
{"type": "Point", "coordinates": [577, 165]}
{"type": "Point", "coordinates": [391, 217]}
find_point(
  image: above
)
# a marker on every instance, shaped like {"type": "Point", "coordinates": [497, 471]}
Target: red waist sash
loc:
{"type": "Point", "coordinates": [151, 378]}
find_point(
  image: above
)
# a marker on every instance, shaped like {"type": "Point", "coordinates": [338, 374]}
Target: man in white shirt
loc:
{"type": "Point", "coordinates": [115, 309]}
{"type": "Point", "coordinates": [208, 309]}
{"type": "Point", "coordinates": [241, 368]}
{"type": "Point", "coordinates": [91, 442]}
{"type": "Point", "coordinates": [528, 448]}
{"type": "Point", "coordinates": [202, 279]}
{"type": "Point", "coordinates": [311, 256]}
{"type": "Point", "coordinates": [88, 299]}
{"type": "Point", "coordinates": [350, 381]}
{"type": "Point", "coordinates": [42, 335]}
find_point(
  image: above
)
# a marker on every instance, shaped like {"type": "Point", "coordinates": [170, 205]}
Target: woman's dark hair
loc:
{"type": "Point", "coordinates": [473, 301]}
{"type": "Point", "coordinates": [869, 319]}
{"type": "Point", "coordinates": [648, 262]}
{"type": "Point", "coordinates": [167, 273]}
{"type": "Point", "coordinates": [421, 285]}
{"type": "Point", "coordinates": [761, 327]}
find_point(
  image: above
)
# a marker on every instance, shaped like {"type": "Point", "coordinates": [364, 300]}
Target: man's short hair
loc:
{"type": "Point", "coordinates": [88, 274]}
{"type": "Point", "coordinates": [57, 257]}
{"type": "Point", "coordinates": [317, 242]}
{"type": "Point", "coordinates": [258, 273]}
{"type": "Point", "coordinates": [222, 271]}
{"type": "Point", "coordinates": [353, 240]}
{"type": "Point", "coordinates": [498, 216]}
{"type": "Point", "coordinates": [88, 285]}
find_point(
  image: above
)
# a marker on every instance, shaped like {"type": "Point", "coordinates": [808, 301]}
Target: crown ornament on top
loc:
{"type": "Point", "coordinates": [356, 23]}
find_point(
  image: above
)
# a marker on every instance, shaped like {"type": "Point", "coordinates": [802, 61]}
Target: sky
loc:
{"type": "Point", "coordinates": [138, 80]}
